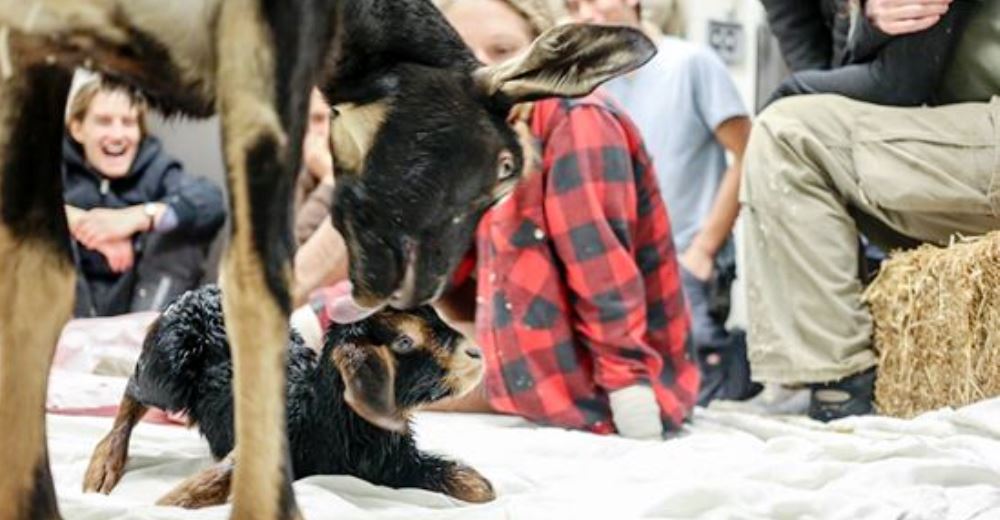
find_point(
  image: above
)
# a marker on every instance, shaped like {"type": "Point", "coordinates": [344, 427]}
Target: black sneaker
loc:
{"type": "Point", "coordinates": [725, 371]}
{"type": "Point", "coordinates": [852, 395]}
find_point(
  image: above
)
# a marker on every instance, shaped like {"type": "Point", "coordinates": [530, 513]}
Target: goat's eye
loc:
{"type": "Point", "coordinates": [505, 165]}
{"type": "Point", "coordinates": [403, 345]}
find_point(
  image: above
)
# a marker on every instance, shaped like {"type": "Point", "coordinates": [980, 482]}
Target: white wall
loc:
{"type": "Point", "coordinates": [747, 13]}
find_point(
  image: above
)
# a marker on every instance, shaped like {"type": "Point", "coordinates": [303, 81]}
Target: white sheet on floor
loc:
{"type": "Point", "coordinates": [728, 465]}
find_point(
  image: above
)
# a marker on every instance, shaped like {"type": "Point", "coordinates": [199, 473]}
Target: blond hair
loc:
{"type": "Point", "coordinates": [541, 15]}
{"type": "Point", "coordinates": [79, 105]}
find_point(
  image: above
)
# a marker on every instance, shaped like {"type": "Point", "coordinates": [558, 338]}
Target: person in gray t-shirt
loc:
{"type": "Point", "coordinates": [690, 114]}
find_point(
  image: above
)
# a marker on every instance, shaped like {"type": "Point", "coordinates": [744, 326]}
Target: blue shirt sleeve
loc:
{"type": "Point", "coordinates": [715, 95]}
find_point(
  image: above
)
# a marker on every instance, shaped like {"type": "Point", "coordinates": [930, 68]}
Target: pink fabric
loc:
{"type": "Point", "coordinates": [93, 361]}
{"type": "Point", "coordinates": [86, 343]}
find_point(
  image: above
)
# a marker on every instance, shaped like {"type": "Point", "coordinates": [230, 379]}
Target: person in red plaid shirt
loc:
{"type": "Point", "coordinates": [579, 308]}
{"type": "Point", "coordinates": [573, 279]}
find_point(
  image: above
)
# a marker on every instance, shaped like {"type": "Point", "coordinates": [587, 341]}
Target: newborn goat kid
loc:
{"type": "Point", "coordinates": [347, 409]}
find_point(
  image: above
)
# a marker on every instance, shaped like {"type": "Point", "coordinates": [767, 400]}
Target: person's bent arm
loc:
{"type": "Point", "coordinates": [699, 257]}
{"type": "Point", "coordinates": [100, 225]}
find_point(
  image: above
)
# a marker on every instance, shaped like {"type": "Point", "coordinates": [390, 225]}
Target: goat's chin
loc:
{"type": "Point", "coordinates": [398, 422]}
{"type": "Point", "coordinates": [463, 381]}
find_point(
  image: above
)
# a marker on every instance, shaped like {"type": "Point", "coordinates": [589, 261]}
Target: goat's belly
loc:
{"type": "Point", "coordinates": [165, 49]}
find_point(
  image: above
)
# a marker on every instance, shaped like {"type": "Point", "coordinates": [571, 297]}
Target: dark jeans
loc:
{"type": "Point", "coordinates": [721, 354]}
{"type": "Point", "coordinates": [904, 72]}
{"type": "Point", "coordinates": [166, 265]}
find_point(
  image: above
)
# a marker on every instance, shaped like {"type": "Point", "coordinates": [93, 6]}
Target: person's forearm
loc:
{"type": "Point", "coordinates": [733, 134]}
{"type": "Point", "coordinates": [321, 261]}
{"type": "Point", "coordinates": [141, 220]}
{"type": "Point", "coordinates": [718, 226]}
{"type": "Point", "coordinates": [73, 214]}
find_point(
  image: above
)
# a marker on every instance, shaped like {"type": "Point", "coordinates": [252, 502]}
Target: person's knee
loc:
{"type": "Point", "coordinates": [778, 159]}
{"type": "Point", "coordinates": [800, 113]}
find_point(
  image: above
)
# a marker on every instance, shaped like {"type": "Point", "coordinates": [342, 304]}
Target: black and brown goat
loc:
{"type": "Point", "coordinates": [347, 410]}
{"type": "Point", "coordinates": [421, 144]}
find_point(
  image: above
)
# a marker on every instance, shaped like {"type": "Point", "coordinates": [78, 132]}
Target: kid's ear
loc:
{"type": "Point", "coordinates": [369, 376]}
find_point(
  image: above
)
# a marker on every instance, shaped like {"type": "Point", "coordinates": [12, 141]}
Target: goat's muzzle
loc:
{"type": "Point", "coordinates": [403, 297]}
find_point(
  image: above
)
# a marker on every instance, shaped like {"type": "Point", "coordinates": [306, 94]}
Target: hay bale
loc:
{"type": "Point", "coordinates": [937, 326]}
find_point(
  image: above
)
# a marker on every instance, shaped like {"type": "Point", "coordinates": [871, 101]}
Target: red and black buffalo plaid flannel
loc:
{"type": "Point", "coordinates": [578, 289]}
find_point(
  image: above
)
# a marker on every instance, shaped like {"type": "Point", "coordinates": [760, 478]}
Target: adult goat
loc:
{"type": "Point", "coordinates": [421, 145]}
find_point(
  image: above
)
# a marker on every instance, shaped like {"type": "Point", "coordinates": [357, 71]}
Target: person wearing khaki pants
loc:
{"type": "Point", "coordinates": [820, 169]}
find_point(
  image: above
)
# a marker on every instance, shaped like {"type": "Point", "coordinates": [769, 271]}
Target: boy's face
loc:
{"type": "Point", "coordinates": [109, 133]}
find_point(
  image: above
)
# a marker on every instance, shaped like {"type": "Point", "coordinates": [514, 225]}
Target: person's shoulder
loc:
{"type": "Point", "coordinates": [596, 114]}
{"type": "Point", "coordinates": [153, 155]}
{"type": "Point", "coordinates": [154, 167]}
{"type": "Point", "coordinates": [687, 54]}
{"type": "Point", "coordinates": [678, 46]}
{"type": "Point", "coordinates": [671, 49]}
{"type": "Point", "coordinates": [596, 105]}
{"type": "Point", "coordinates": [597, 100]}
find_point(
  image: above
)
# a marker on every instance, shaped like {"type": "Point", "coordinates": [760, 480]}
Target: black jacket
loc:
{"type": "Point", "coordinates": [832, 49]}
{"type": "Point", "coordinates": [154, 177]}
{"type": "Point", "coordinates": [166, 263]}
{"type": "Point", "coordinates": [822, 34]}
{"type": "Point", "coordinates": [812, 34]}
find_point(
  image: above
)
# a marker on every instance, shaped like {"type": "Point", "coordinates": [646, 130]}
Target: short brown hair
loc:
{"type": "Point", "coordinates": [85, 94]}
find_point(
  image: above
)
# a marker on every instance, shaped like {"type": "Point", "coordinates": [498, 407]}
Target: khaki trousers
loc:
{"type": "Point", "coordinates": [818, 170]}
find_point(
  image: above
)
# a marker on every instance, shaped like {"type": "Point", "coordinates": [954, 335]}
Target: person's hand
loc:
{"type": "Point", "coordinates": [316, 157]}
{"type": "Point", "coordinates": [118, 253]}
{"type": "Point", "coordinates": [698, 262]}
{"type": "Point", "coordinates": [635, 412]}
{"type": "Point", "coordinates": [896, 17]}
{"type": "Point", "coordinates": [100, 225]}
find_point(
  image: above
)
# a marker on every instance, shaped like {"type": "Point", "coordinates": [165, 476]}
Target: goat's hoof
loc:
{"type": "Point", "coordinates": [107, 465]}
{"type": "Point", "coordinates": [465, 483]}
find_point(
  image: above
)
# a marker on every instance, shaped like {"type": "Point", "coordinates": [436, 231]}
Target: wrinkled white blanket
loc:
{"type": "Point", "coordinates": [729, 463]}
{"type": "Point", "coordinates": [726, 465]}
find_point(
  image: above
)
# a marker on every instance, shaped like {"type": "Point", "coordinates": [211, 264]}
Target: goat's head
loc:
{"type": "Point", "coordinates": [427, 149]}
{"type": "Point", "coordinates": [395, 361]}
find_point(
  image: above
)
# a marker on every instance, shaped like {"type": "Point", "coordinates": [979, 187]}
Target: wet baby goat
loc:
{"type": "Point", "coordinates": [347, 407]}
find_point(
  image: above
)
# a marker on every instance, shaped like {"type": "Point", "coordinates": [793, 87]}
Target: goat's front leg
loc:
{"type": "Point", "coordinates": [265, 73]}
{"type": "Point", "coordinates": [107, 464]}
{"type": "Point", "coordinates": [36, 281]}
{"type": "Point", "coordinates": [209, 487]}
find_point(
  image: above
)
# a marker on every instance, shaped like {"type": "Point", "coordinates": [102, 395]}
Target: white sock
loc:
{"type": "Point", "coordinates": [635, 412]}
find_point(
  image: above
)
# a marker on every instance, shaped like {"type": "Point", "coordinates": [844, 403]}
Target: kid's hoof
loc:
{"type": "Point", "coordinates": [465, 483]}
{"type": "Point", "coordinates": [107, 465]}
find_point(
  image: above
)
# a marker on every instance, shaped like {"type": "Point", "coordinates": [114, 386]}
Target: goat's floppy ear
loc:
{"type": "Point", "coordinates": [369, 377]}
{"type": "Point", "coordinates": [568, 60]}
